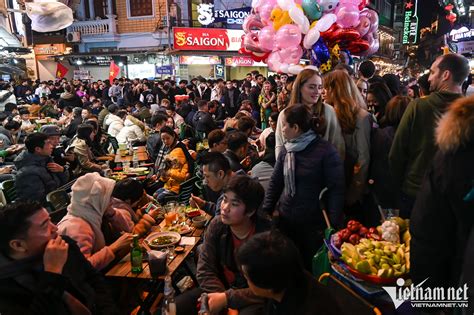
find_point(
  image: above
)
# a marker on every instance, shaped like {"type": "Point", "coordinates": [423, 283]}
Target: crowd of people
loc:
{"type": "Point", "coordinates": [264, 149]}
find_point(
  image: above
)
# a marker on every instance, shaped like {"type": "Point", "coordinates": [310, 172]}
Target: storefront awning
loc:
{"type": "Point", "coordinates": [10, 43]}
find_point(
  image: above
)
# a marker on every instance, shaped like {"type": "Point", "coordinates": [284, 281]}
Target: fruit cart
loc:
{"type": "Point", "coordinates": [366, 259]}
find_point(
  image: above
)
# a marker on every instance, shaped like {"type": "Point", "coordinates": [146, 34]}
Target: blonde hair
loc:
{"type": "Point", "coordinates": [346, 97]}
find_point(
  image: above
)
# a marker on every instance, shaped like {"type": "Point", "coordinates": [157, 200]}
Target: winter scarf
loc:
{"type": "Point", "coordinates": [292, 146]}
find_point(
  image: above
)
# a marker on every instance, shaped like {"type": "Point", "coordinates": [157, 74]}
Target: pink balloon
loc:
{"type": "Point", "coordinates": [266, 38]}
{"type": "Point", "coordinates": [374, 47]}
{"type": "Point", "coordinates": [265, 12]}
{"type": "Point", "coordinates": [291, 54]}
{"type": "Point", "coordinates": [252, 22]}
{"type": "Point", "coordinates": [348, 15]}
{"type": "Point", "coordinates": [274, 61]}
{"type": "Point", "coordinates": [287, 36]}
{"type": "Point", "coordinates": [364, 25]}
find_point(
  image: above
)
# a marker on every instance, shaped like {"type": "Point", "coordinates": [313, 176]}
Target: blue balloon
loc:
{"type": "Point", "coordinates": [319, 53]}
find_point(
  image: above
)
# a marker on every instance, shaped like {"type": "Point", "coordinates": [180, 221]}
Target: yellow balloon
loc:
{"type": "Point", "coordinates": [280, 18]}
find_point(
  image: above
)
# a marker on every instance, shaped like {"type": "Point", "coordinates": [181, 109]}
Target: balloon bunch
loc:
{"type": "Point", "coordinates": [279, 31]}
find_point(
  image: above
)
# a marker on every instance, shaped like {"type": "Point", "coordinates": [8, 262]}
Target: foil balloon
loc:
{"type": "Point", "coordinates": [319, 53]}
{"type": "Point", "coordinates": [279, 18]}
{"type": "Point", "coordinates": [266, 38]}
{"type": "Point", "coordinates": [265, 12]}
{"type": "Point", "coordinates": [291, 54]}
{"type": "Point", "coordinates": [287, 36]}
{"type": "Point", "coordinates": [364, 25]}
{"type": "Point", "coordinates": [252, 22]}
{"type": "Point", "coordinates": [348, 15]}
{"type": "Point", "coordinates": [328, 6]}
{"type": "Point", "coordinates": [363, 4]}
{"type": "Point", "coordinates": [295, 69]}
{"type": "Point", "coordinates": [285, 5]}
{"type": "Point", "coordinates": [312, 9]}
{"type": "Point", "coordinates": [298, 17]}
{"type": "Point", "coordinates": [311, 38]}
{"type": "Point", "coordinates": [326, 22]}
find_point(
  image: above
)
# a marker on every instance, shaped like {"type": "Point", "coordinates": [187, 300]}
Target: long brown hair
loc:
{"type": "Point", "coordinates": [346, 98]}
{"type": "Point", "coordinates": [295, 98]}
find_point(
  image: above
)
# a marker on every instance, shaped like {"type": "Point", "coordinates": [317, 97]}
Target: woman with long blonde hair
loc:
{"type": "Point", "coordinates": [341, 92]}
{"type": "Point", "coordinates": [307, 90]}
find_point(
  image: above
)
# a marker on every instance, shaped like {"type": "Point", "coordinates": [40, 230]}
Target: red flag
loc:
{"type": "Point", "coordinates": [114, 71]}
{"type": "Point", "coordinates": [61, 71]}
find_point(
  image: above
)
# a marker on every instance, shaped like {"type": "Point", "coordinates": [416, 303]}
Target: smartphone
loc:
{"type": "Point", "coordinates": [151, 206]}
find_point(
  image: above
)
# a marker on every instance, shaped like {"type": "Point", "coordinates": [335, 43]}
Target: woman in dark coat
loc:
{"type": "Point", "coordinates": [305, 166]}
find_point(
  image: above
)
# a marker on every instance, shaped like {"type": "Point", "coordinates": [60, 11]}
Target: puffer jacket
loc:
{"type": "Point", "coordinates": [115, 124]}
{"type": "Point", "coordinates": [33, 180]}
{"type": "Point", "coordinates": [443, 216]}
{"type": "Point", "coordinates": [84, 157]}
{"type": "Point", "coordinates": [179, 172]}
{"type": "Point", "coordinates": [316, 167]}
{"type": "Point", "coordinates": [132, 131]}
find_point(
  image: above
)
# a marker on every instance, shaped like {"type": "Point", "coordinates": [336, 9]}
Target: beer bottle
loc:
{"type": "Point", "coordinates": [136, 256]}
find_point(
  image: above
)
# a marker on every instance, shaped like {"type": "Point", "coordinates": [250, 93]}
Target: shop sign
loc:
{"type": "Point", "coordinates": [410, 22]}
{"type": "Point", "coordinates": [186, 38]}
{"type": "Point", "coordinates": [219, 71]}
{"type": "Point", "coordinates": [465, 47]}
{"type": "Point", "coordinates": [461, 36]}
{"type": "Point", "coordinates": [239, 62]}
{"type": "Point", "coordinates": [208, 15]}
{"type": "Point", "coordinates": [51, 49]}
{"type": "Point", "coordinates": [199, 60]}
{"type": "Point", "coordinates": [82, 75]}
{"type": "Point", "coordinates": [166, 70]}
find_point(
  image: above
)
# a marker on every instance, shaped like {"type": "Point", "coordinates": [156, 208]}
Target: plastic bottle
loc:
{"type": "Point", "coordinates": [169, 304]}
{"type": "Point", "coordinates": [204, 310]}
{"type": "Point", "coordinates": [135, 159]}
{"type": "Point", "coordinates": [136, 256]}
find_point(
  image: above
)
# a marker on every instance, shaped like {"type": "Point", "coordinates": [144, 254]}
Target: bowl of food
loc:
{"type": "Point", "coordinates": [162, 239]}
{"type": "Point", "coordinates": [199, 221]}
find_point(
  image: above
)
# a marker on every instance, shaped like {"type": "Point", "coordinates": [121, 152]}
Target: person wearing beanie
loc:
{"type": "Point", "coordinates": [86, 216]}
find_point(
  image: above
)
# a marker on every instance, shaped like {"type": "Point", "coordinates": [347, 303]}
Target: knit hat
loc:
{"type": "Point", "coordinates": [90, 197]}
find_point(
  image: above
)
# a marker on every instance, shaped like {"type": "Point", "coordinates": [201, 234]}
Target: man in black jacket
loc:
{"type": "Point", "coordinates": [38, 174]}
{"type": "Point", "coordinates": [231, 99]}
{"type": "Point", "coordinates": [202, 120]}
{"type": "Point", "coordinates": [42, 272]}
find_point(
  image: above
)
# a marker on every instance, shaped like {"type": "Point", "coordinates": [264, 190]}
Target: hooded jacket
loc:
{"type": "Point", "coordinates": [115, 124]}
{"type": "Point", "coordinates": [132, 131]}
{"type": "Point", "coordinates": [443, 215]}
{"type": "Point", "coordinates": [90, 199]}
{"type": "Point", "coordinates": [414, 147]}
{"type": "Point", "coordinates": [33, 179]}
{"type": "Point", "coordinates": [85, 158]}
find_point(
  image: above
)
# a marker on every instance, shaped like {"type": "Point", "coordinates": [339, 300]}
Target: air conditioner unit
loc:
{"type": "Point", "coordinates": [73, 37]}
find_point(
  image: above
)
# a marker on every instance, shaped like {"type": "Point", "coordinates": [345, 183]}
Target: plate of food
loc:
{"type": "Point", "coordinates": [193, 212]}
{"type": "Point", "coordinates": [162, 239]}
{"type": "Point", "coordinates": [137, 171]}
{"type": "Point", "coordinates": [178, 228]}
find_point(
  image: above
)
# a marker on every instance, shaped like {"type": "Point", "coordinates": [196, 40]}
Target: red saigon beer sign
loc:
{"type": "Point", "coordinates": [186, 38]}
